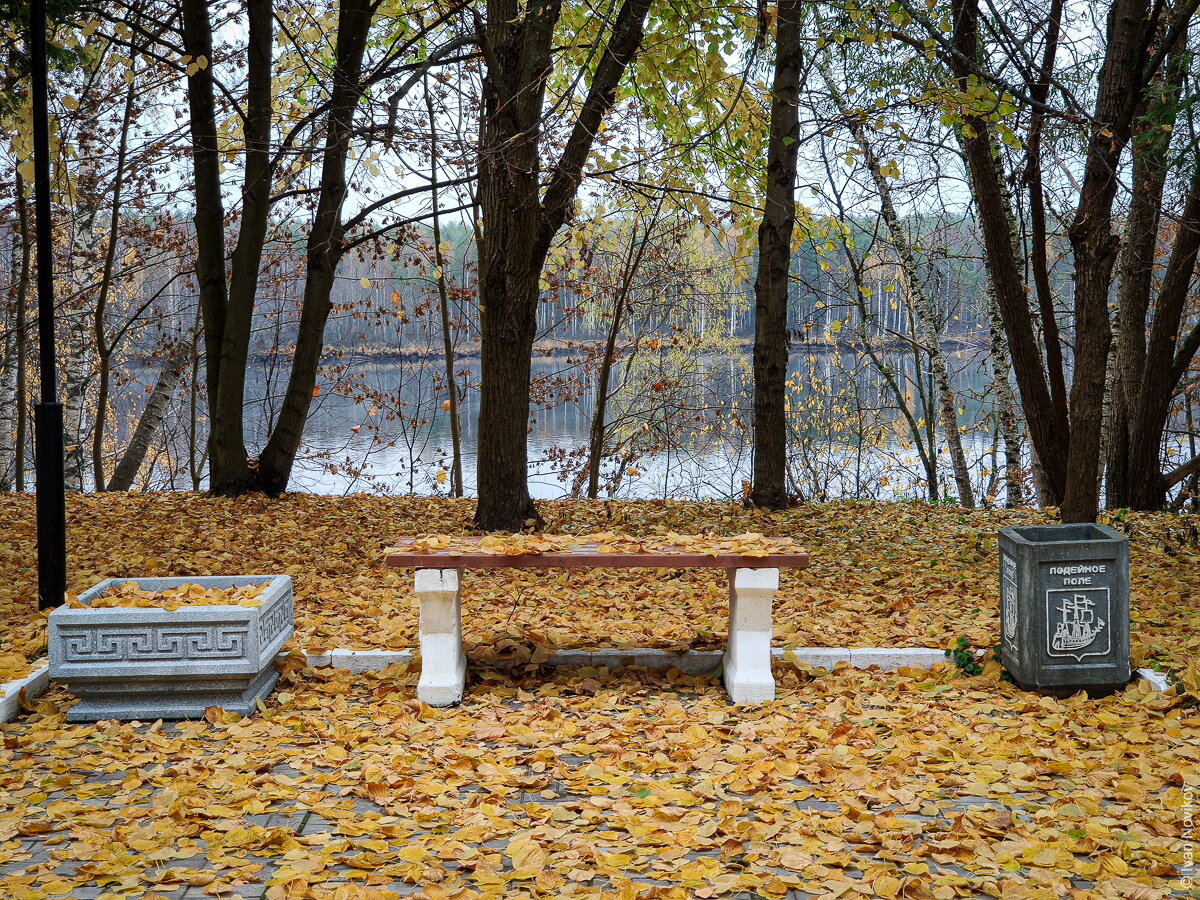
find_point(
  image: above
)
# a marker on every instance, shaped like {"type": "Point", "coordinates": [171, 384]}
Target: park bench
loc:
{"type": "Point", "coordinates": [753, 580]}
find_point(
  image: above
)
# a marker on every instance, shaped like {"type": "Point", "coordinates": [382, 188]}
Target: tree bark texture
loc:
{"type": "Point", "coordinates": [1095, 247]}
{"type": "Point", "coordinates": [9, 336]}
{"type": "Point", "coordinates": [1010, 417]}
{"type": "Point", "coordinates": [519, 222]}
{"type": "Point", "coordinates": [772, 282]}
{"type": "Point", "coordinates": [151, 418]}
{"type": "Point", "coordinates": [994, 211]}
{"type": "Point", "coordinates": [22, 349]}
{"type": "Point", "coordinates": [75, 320]}
{"type": "Point", "coordinates": [324, 245]}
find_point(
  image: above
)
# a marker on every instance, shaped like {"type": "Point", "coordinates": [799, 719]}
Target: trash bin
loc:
{"type": "Point", "coordinates": [1064, 608]}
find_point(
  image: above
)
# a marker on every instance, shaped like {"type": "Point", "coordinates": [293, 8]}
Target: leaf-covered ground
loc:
{"type": "Point", "coordinates": [888, 575]}
{"type": "Point", "coordinates": [586, 783]}
{"type": "Point", "coordinates": [590, 784]}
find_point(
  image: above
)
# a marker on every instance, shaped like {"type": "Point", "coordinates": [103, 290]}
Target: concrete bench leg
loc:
{"type": "Point", "coordinates": [748, 675]}
{"type": "Point", "coordinates": [443, 663]}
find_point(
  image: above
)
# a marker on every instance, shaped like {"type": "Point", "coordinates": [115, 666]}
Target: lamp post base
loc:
{"type": "Point", "coordinates": [51, 504]}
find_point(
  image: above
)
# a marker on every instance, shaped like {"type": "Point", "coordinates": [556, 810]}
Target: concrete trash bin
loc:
{"type": "Point", "coordinates": [1064, 608]}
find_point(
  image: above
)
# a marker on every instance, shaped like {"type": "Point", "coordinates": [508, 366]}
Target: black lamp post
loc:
{"type": "Point", "coordinates": [48, 414]}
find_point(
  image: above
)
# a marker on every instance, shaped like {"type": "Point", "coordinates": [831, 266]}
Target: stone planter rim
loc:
{"type": "Point", "coordinates": [251, 661]}
{"type": "Point", "coordinates": [275, 584]}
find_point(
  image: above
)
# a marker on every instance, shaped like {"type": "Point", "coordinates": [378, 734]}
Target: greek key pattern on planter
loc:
{"type": "Point", "coordinates": [275, 621]}
{"type": "Point", "coordinates": [140, 643]}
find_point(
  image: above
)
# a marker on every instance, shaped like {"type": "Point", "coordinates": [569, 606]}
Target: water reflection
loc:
{"type": "Point", "coordinates": [381, 427]}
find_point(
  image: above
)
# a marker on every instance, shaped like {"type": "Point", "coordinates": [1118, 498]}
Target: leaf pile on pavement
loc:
{"type": "Point", "coordinates": [882, 574]}
{"type": "Point", "coordinates": [610, 785]}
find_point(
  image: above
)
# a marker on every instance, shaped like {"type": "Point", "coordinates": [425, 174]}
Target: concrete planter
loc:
{"type": "Point", "coordinates": [1064, 607]}
{"type": "Point", "coordinates": [152, 664]}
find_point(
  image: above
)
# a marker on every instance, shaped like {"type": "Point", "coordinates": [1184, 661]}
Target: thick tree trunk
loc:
{"type": "Point", "coordinates": [519, 222]}
{"type": "Point", "coordinates": [1050, 436]}
{"type": "Point", "coordinates": [210, 210]}
{"type": "Point", "coordinates": [771, 284]}
{"type": "Point", "coordinates": [518, 65]}
{"type": "Point", "coordinates": [152, 417]}
{"type": "Point", "coordinates": [230, 473]}
{"type": "Point", "coordinates": [324, 245]}
{"type": "Point", "coordinates": [1095, 247]}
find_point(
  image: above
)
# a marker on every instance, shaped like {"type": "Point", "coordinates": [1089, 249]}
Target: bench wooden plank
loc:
{"type": "Point", "coordinates": [587, 556]}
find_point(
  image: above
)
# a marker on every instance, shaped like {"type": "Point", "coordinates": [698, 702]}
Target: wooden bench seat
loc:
{"type": "Point", "coordinates": [753, 580]}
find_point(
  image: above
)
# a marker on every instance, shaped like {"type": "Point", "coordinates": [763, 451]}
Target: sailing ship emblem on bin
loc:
{"type": "Point", "coordinates": [1077, 617]}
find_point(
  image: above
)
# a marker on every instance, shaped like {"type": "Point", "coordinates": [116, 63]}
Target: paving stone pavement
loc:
{"type": "Point", "coordinates": [52, 848]}
{"type": "Point", "coordinates": [530, 794]}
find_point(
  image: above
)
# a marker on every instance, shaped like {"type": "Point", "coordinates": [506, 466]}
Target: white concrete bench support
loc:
{"type": "Point", "coordinates": [443, 663]}
{"type": "Point", "coordinates": [748, 677]}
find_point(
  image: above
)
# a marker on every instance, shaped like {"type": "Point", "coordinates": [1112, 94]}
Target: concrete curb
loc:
{"type": "Point", "coordinates": [1157, 680]}
{"type": "Point", "coordinates": [34, 685]}
{"type": "Point", "coordinates": [693, 662]}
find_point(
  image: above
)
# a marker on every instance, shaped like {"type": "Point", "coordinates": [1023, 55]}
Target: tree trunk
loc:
{"type": "Point", "coordinates": [152, 417]}
{"type": "Point", "coordinates": [772, 282]}
{"type": "Point", "coordinates": [230, 473]}
{"type": "Point", "coordinates": [1010, 424]}
{"type": "Point", "coordinates": [456, 476]}
{"type": "Point", "coordinates": [519, 222]}
{"type": "Point", "coordinates": [1146, 374]}
{"type": "Point", "coordinates": [1070, 455]}
{"type": "Point", "coordinates": [1095, 247]}
{"type": "Point", "coordinates": [922, 305]}
{"type": "Point", "coordinates": [22, 336]}
{"type": "Point", "coordinates": [1050, 436]}
{"type": "Point", "coordinates": [75, 318]}
{"type": "Point", "coordinates": [1136, 265]}
{"type": "Point", "coordinates": [210, 210]}
{"type": "Point", "coordinates": [1160, 378]}
{"type": "Point", "coordinates": [324, 244]}
{"type": "Point", "coordinates": [9, 336]}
